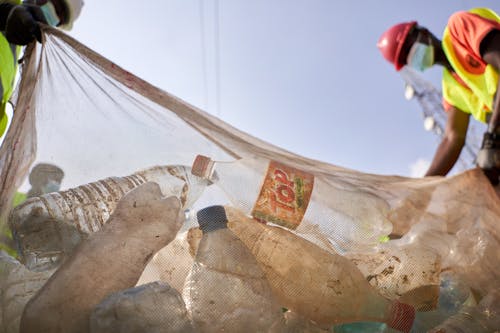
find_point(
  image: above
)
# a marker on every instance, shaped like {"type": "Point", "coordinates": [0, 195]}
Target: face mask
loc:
{"type": "Point", "coordinates": [421, 56]}
{"type": "Point", "coordinates": [49, 11]}
{"type": "Point", "coordinates": [51, 186]}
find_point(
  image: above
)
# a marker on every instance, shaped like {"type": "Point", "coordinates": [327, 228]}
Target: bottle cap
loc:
{"type": "Point", "coordinates": [202, 166]}
{"type": "Point", "coordinates": [212, 218]}
{"type": "Point", "coordinates": [402, 317]}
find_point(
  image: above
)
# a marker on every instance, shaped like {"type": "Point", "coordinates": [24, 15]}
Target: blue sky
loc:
{"type": "Point", "coordinates": [304, 75]}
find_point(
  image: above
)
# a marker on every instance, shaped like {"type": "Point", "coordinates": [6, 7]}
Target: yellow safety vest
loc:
{"type": "Point", "coordinates": [477, 98]}
{"type": "Point", "coordinates": [8, 69]}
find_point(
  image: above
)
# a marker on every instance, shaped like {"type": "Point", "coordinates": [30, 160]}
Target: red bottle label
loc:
{"type": "Point", "coordinates": [284, 196]}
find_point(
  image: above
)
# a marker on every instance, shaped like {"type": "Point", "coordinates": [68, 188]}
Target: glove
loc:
{"type": "Point", "coordinates": [488, 157]}
{"type": "Point", "coordinates": [22, 26]}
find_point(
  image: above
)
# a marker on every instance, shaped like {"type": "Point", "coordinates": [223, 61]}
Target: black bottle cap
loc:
{"type": "Point", "coordinates": [212, 218]}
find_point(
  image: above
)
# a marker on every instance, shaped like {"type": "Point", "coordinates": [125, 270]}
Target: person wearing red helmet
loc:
{"type": "Point", "coordinates": [469, 53]}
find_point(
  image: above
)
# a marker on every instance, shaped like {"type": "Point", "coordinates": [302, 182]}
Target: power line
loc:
{"type": "Point", "coordinates": [216, 55]}
{"type": "Point", "coordinates": [203, 42]}
{"type": "Point", "coordinates": [217, 58]}
{"type": "Point", "coordinates": [430, 100]}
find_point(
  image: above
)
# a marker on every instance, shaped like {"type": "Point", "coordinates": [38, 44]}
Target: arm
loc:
{"type": "Point", "coordinates": [452, 143]}
{"type": "Point", "coordinates": [108, 261]}
{"type": "Point", "coordinates": [488, 157]}
{"type": "Point", "coordinates": [490, 51]}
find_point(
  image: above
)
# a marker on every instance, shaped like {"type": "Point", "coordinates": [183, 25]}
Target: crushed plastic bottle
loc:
{"type": "Point", "coordinates": [320, 286]}
{"type": "Point", "coordinates": [293, 323]}
{"type": "Point", "coordinates": [409, 273]}
{"type": "Point", "coordinates": [226, 289]}
{"type": "Point", "coordinates": [297, 200]}
{"type": "Point", "coordinates": [173, 263]}
{"type": "Point", "coordinates": [482, 318]}
{"type": "Point", "coordinates": [472, 251]}
{"type": "Point", "coordinates": [153, 307]}
{"type": "Point", "coordinates": [453, 295]}
{"type": "Point", "coordinates": [17, 286]}
{"type": "Point", "coordinates": [47, 228]}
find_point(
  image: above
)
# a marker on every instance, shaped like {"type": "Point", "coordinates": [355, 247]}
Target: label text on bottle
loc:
{"type": "Point", "coordinates": [284, 196]}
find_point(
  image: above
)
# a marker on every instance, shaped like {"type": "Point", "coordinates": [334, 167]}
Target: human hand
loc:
{"type": "Point", "coordinates": [145, 215]}
{"type": "Point", "coordinates": [488, 157]}
{"type": "Point", "coordinates": [22, 25]}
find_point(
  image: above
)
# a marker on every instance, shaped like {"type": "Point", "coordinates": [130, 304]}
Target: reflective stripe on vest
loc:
{"type": "Point", "coordinates": [477, 98]}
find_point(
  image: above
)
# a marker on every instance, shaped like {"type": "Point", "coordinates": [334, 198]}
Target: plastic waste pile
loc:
{"type": "Point", "coordinates": [69, 216]}
{"type": "Point", "coordinates": [18, 285]}
{"type": "Point", "coordinates": [272, 242]}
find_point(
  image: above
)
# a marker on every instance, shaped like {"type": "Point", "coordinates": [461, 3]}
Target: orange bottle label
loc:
{"type": "Point", "coordinates": [284, 196]}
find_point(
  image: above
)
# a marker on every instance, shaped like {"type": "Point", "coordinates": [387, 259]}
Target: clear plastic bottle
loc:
{"type": "Point", "coordinates": [311, 206]}
{"type": "Point", "coordinates": [409, 273]}
{"type": "Point", "coordinates": [48, 227]}
{"type": "Point", "coordinates": [152, 308]}
{"type": "Point", "coordinates": [173, 263]}
{"type": "Point", "coordinates": [360, 327]}
{"type": "Point", "coordinates": [293, 323]}
{"type": "Point", "coordinates": [320, 286]}
{"type": "Point", "coordinates": [472, 251]}
{"type": "Point", "coordinates": [226, 290]}
{"type": "Point", "coordinates": [17, 286]}
{"type": "Point", "coordinates": [482, 318]}
{"type": "Point", "coordinates": [453, 295]}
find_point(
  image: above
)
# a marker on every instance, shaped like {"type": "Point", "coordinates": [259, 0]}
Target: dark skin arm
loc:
{"type": "Point", "coordinates": [456, 127]}
{"type": "Point", "coordinates": [490, 51]}
{"type": "Point", "coordinates": [450, 147]}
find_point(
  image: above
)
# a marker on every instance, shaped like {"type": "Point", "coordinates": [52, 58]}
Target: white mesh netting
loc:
{"type": "Point", "coordinates": [94, 120]}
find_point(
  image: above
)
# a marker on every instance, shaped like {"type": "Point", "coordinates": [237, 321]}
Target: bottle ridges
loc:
{"type": "Point", "coordinates": [89, 206]}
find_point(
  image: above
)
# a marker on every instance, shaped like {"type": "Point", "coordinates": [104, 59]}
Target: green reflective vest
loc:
{"type": "Point", "coordinates": [8, 69]}
{"type": "Point", "coordinates": [477, 96]}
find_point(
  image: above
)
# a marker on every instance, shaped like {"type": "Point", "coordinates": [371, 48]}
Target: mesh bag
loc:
{"type": "Point", "coordinates": [94, 120]}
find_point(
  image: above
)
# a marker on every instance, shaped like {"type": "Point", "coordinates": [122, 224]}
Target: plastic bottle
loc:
{"type": "Point", "coordinates": [48, 227]}
{"type": "Point", "coordinates": [17, 286]}
{"type": "Point", "coordinates": [453, 295]}
{"type": "Point", "coordinates": [360, 327]}
{"type": "Point", "coordinates": [471, 252]}
{"type": "Point", "coordinates": [152, 308]}
{"type": "Point", "coordinates": [320, 286]}
{"type": "Point", "coordinates": [173, 263]}
{"type": "Point", "coordinates": [409, 273]}
{"type": "Point", "coordinates": [483, 318]}
{"type": "Point", "coordinates": [226, 289]}
{"type": "Point", "coordinates": [293, 198]}
{"type": "Point", "coordinates": [293, 323]}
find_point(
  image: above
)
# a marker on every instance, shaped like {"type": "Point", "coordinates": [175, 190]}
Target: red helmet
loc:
{"type": "Point", "coordinates": [392, 40]}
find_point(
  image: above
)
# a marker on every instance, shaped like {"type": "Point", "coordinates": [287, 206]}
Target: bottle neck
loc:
{"type": "Point", "coordinates": [203, 167]}
{"type": "Point", "coordinates": [401, 317]}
